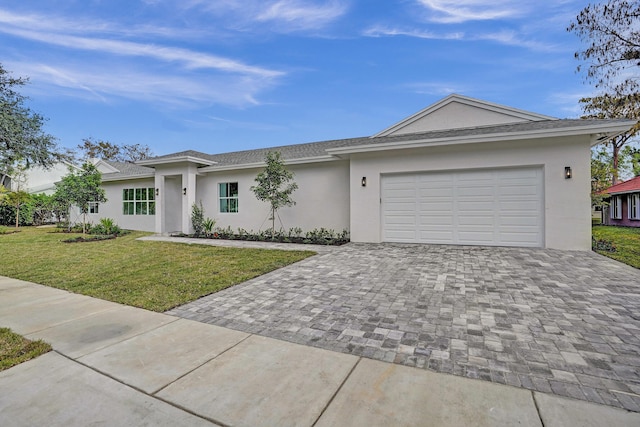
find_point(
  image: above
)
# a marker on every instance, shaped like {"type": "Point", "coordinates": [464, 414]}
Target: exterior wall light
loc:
{"type": "Point", "coordinates": [364, 181]}
{"type": "Point", "coordinates": [567, 172]}
{"type": "Point", "coordinates": [157, 191]}
{"type": "Point", "coordinates": [184, 191]}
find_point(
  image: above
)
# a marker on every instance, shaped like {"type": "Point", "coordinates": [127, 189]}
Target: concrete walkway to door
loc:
{"type": "Point", "coordinates": [559, 322]}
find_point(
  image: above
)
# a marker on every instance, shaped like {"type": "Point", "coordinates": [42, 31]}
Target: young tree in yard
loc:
{"type": "Point", "coordinates": [613, 54]}
{"type": "Point", "coordinates": [275, 186]}
{"type": "Point", "coordinates": [80, 188]}
{"type": "Point", "coordinates": [614, 107]}
{"type": "Point", "coordinates": [21, 136]}
{"type": "Point", "coordinates": [17, 199]}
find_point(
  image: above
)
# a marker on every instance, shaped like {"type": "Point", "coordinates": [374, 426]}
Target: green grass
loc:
{"type": "Point", "coordinates": [152, 275]}
{"type": "Point", "coordinates": [14, 349]}
{"type": "Point", "coordinates": [626, 241]}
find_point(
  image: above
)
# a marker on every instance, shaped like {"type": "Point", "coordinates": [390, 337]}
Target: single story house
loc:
{"type": "Point", "coordinates": [462, 171]}
{"type": "Point", "coordinates": [624, 204]}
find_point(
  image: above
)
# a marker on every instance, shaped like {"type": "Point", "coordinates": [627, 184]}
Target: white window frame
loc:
{"type": "Point", "coordinates": [633, 206]}
{"type": "Point", "coordinates": [138, 201]}
{"type": "Point", "coordinates": [227, 201]}
{"type": "Point", "coordinates": [616, 207]}
{"type": "Point", "coordinates": [93, 207]}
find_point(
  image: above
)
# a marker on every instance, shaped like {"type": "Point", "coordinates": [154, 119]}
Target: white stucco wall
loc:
{"type": "Point", "coordinates": [113, 207]}
{"type": "Point", "coordinates": [566, 205]}
{"type": "Point", "coordinates": [322, 198]}
{"type": "Point", "coordinates": [40, 180]}
{"type": "Point", "coordinates": [456, 115]}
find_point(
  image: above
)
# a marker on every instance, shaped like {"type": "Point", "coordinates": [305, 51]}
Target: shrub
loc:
{"type": "Point", "coordinates": [197, 219]}
{"type": "Point", "coordinates": [207, 225]}
{"type": "Point", "coordinates": [107, 227]}
{"type": "Point", "coordinates": [602, 245]}
{"type": "Point", "coordinates": [320, 236]}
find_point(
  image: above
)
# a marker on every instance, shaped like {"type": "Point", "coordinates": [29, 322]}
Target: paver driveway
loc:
{"type": "Point", "coordinates": [553, 321]}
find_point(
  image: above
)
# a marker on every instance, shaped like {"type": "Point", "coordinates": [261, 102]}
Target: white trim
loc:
{"type": "Point", "coordinates": [633, 212]}
{"type": "Point", "coordinates": [128, 177]}
{"type": "Point", "coordinates": [616, 207]}
{"type": "Point", "coordinates": [494, 137]}
{"type": "Point", "coordinates": [316, 159]}
{"type": "Point", "coordinates": [178, 159]}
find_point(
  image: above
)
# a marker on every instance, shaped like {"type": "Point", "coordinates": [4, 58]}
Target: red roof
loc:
{"type": "Point", "coordinates": [629, 186]}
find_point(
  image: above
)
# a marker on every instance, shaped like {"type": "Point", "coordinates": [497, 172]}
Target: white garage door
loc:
{"type": "Point", "coordinates": [501, 207]}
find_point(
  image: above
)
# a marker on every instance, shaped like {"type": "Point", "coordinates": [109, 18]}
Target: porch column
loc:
{"type": "Point", "coordinates": [188, 199]}
{"type": "Point", "coordinates": [160, 205]}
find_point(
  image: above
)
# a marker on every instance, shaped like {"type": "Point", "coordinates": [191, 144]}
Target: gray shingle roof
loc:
{"type": "Point", "coordinates": [319, 149]}
{"type": "Point", "coordinates": [126, 169]}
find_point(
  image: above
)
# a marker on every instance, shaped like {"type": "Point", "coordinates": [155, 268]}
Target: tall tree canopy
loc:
{"type": "Point", "coordinates": [106, 150]}
{"type": "Point", "coordinates": [614, 107]}
{"type": "Point", "coordinates": [22, 138]}
{"type": "Point", "coordinates": [612, 30]}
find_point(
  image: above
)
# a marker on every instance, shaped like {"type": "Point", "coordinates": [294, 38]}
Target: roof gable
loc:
{"type": "Point", "coordinates": [458, 112]}
{"type": "Point", "coordinates": [630, 186]}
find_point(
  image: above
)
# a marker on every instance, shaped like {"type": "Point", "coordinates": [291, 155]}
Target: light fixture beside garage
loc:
{"type": "Point", "coordinates": [364, 181]}
{"type": "Point", "coordinates": [184, 191]}
{"type": "Point", "coordinates": [567, 172]}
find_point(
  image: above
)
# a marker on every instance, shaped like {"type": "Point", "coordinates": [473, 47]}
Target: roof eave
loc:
{"type": "Point", "coordinates": [261, 164]}
{"type": "Point", "coordinates": [127, 177]}
{"type": "Point", "coordinates": [173, 160]}
{"type": "Point", "coordinates": [595, 129]}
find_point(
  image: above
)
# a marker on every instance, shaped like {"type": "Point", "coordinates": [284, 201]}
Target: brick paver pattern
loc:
{"type": "Point", "coordinates": [561, 322]}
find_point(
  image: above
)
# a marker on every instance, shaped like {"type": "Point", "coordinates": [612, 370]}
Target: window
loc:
{"type": "Point", "coordinates": [633, 201]}
{"type": "Point", "coordinates": [228, 194]}
{"type": "Point", "coordinates": [138, 201]}
{"type": "Point", "coordinates": [93, 207]}
{"type": "Point", "coordinates": [616, 207]}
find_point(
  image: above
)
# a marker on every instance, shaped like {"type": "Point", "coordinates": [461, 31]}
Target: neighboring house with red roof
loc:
{"type": "Point", "coordinates": [624, 204]}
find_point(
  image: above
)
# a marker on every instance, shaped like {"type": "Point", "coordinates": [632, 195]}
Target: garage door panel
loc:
{"type": "Point", "coordinates": [486, 207]}
{"type": "Point", "coordinates": [436, 236]}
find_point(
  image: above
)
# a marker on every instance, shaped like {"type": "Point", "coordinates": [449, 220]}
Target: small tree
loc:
{"type": "Point", "coordinates": [80, 189]}
{"type": "Point", "coordinates": [17, 199]}
{"type": "Point", "coordinates": [275, 186]}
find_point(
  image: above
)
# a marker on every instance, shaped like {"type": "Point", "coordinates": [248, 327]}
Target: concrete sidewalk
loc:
{"type": "Point", "coordinates": [117, 365]}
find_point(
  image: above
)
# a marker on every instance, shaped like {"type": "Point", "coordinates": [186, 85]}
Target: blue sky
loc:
{"type": "Point", "coordinates": [227, 75]}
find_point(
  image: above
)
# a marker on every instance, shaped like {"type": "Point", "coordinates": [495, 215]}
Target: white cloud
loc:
{"type": "Point", "coordinates": [190, 59]}
{"type": "Point", "coordinates": [380, 31]}
{"type": "Point", "coordinates": [282, 15]}
{"type": "Point", "coordinates": [437, 88]}
{"type": "Point", "coordinates": [101, 83]}
{"type": "Point", "coordinates": [457, 11]}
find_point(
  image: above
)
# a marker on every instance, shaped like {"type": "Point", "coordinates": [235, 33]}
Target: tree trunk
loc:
{"type": "Point", "coordinates": [616, 152]}
{"type": "Point", "coordinates": [17, 216]}
{"type": "Point", "coordinates": [273, 223]}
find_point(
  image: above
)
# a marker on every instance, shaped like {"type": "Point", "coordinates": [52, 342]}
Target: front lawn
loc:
{"type": "Point", "coordinates": [153, 275]}
{"type": "Point", "coordinates": [626, 241]}
{"type": "Point", "coordinates": [15, 349]}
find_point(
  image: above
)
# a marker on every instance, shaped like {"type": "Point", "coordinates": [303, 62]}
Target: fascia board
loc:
{"type": "Point", "coordinates": [128, 177]}
{"type": "Point", "coordinates": [316, 159]}
{"type": "Point", "coordinates": [173, 160]}
{"type": "Point", "coordinates": [471, 139]}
